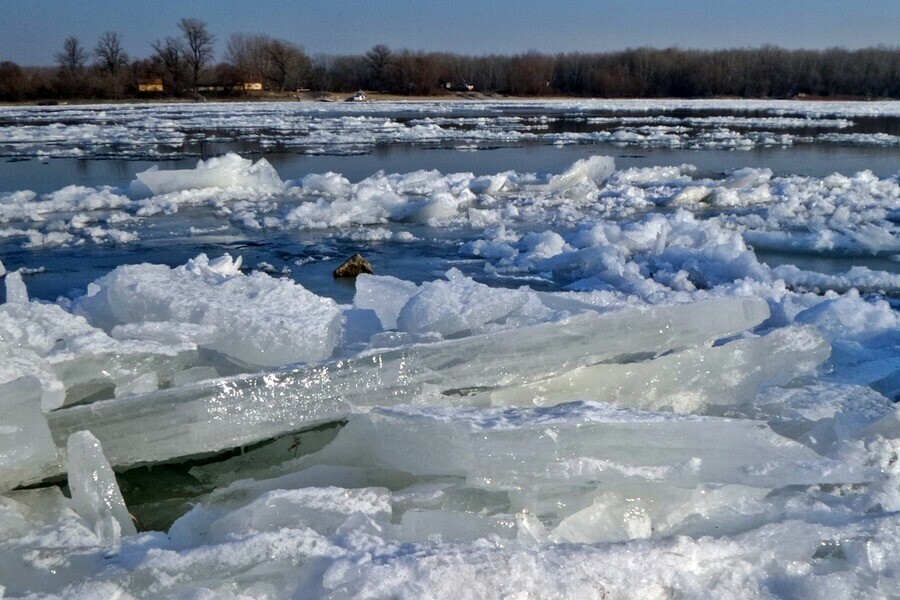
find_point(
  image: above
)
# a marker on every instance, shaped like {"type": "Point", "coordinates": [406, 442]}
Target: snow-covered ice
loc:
{"type": "Point", "coordinates": [254, 318]}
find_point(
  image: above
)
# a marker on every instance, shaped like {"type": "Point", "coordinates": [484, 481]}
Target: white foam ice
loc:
{"type": "Point", "coordinates": [839, 214]}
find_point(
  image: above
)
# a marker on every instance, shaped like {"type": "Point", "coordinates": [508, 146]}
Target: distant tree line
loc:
{"type": "Point", "coordinates": [183, 65]}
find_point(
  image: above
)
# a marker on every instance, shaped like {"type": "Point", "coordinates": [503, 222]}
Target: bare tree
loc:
{"type": "Point", "coordinates": [240, 52]}
{"type": "Point", "coordinates": [72, 59]}
{"type": "Point", "coordinates": [71, 80]}
{"type": "Point", "coordinates": [199, 45]}
{"type": "Point", "coordinates": [169, 57]}
{"type": "Point", "coordinates": [111, 57]}
{"type": "Point", "coordinates": [379, 59]}
{"type": "Point", "coordinates": [12, 80]}
{"type": "Point", "coordinates": [249, 54]}
{"type": "Point", "coordinates": [288, 65]}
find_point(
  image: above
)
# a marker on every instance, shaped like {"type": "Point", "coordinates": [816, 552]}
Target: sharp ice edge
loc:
{"type": "Point", "coordinates": [688, 381]}
{"type": "Point", "coordinates": [95, 493]}
{"type": "Point", "coordinates": [232, 412]}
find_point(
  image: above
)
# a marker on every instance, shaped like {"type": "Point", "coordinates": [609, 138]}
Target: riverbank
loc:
{"type": "Point", "coordinates": [328, 97]}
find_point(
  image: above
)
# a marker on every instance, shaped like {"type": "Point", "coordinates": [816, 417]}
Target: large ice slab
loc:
{"type": "Point", "coordinates": [686, 381]}
{"type": "Point", "coordinates": [226, 413]}
{"type": "Point", "coordinates": [519, 449]}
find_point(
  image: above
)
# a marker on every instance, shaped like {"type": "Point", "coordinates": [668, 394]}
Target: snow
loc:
{"type": "Point", "coordinates": [601, 382]}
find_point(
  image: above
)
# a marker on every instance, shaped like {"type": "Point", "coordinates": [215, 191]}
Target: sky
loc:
{"type": "Point", "coordinates": [33, 31]}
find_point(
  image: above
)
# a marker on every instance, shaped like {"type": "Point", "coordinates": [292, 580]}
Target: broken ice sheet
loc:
{"type": "Point", "coordinates": [819, 414]}
{"type": "Point", "coordinates": [322, 509]}
{"type": "Point", "coordinates": [230, 412]}
{"type": "Point", "coordinates": [591, 473]}
{"type": "Point", "coordinates": [74, 360]}
{"type": "Point", "coordinates": [686, 381]}
{"type": "Point", "coordinates": [512, 449]}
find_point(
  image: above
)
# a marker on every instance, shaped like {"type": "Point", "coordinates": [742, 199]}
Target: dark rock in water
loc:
{"type": "Point", "coordinates": [353, 266]}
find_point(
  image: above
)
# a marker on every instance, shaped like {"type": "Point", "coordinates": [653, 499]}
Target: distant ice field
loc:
{"type": "Point", "coordinates": [609, 350]}
{"type": "Point", "coordinates": [824, 135]}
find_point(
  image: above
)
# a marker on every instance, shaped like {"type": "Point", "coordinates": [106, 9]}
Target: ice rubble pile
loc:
{"type": "Point", "coordinates": [459, 444]}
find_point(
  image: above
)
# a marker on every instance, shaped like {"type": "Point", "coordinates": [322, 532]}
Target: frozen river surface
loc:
{"type": "Point", "coordinates": [610, 350]}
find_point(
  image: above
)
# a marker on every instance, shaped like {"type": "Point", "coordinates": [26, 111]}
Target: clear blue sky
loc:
{"type": "Point", "coordinates": [32, 31]}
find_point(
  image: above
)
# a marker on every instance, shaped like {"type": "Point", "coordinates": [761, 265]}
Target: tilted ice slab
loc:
{"type": "Point", "coordinates": [686, 381]}
{"type": "Point", "coordinates": [576, 444]}
{"type": "Point", "coordinates": [26, 446]}
{"type": "Point", "coordinates": [95, 493]}
{"type": "Point", "coordinates": [227, 413]}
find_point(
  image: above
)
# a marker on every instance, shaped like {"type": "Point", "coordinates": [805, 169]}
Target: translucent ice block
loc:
{"type": "Point", "coordinates": [226, 413]}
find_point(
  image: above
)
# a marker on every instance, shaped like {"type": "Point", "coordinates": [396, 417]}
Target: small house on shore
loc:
{"type": "Point", "coordinates": [150, 86]}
